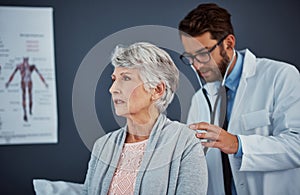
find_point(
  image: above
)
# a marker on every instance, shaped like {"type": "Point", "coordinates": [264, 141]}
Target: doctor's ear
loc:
{"type": "Point", "coordinates": [229, 42]}
{"type": "Point", "coordinates": [158, 91]}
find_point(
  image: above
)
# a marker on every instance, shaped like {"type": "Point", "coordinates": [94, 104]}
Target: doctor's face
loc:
{"type": "Point", "coordinates": [128, 93]}
{"type": "Point", "coordinates": [207, 57]}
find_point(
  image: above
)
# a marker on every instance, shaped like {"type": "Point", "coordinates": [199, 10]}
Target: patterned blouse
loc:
{"type": "Point", "coordinates": [123, 181]}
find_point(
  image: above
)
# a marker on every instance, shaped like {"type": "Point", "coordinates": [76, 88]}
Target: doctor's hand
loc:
{"type": "Point", "coordinates": [218, 137]}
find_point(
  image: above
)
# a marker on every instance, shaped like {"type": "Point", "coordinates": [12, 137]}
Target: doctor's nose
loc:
{"type": "Point", "coordinates": [197, 65]}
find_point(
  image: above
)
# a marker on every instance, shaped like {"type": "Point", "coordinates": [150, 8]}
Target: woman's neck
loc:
{"type": "Point", "coordinates": [140, 129]}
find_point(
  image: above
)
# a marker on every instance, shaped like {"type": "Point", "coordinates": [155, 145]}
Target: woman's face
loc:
{"type": "Point", "coordinates": [128, 93]}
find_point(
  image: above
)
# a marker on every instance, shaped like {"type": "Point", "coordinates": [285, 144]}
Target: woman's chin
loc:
{"type": "Point", "coordinates": [121, 113]}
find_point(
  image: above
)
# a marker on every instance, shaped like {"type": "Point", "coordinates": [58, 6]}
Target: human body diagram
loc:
{"type": "Point", "coordinates": [26, 83]}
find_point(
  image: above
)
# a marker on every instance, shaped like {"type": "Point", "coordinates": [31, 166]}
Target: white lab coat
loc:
{"type": "Point", "coordinates": [266, 116]}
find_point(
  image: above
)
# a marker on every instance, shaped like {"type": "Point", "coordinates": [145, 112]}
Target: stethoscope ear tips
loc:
{"type": "Point", "coordinates": [228, 66]}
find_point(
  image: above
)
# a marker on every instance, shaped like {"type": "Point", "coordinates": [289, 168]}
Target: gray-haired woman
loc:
{"type": "Point", "coordinates": [151, 154]}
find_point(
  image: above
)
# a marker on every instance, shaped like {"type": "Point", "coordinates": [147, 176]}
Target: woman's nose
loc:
{"type": "Point", "coordinates": [114, 88]}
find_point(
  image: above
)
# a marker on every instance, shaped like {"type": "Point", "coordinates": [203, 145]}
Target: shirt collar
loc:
{"type": "Point", "coordinates": [233, 79]}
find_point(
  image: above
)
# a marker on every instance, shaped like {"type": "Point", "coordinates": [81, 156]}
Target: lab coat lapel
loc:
{"type": "Point", "coordinates": [249, 68]}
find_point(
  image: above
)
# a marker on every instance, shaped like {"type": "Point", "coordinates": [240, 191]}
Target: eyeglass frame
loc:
{"type": "Point", "coordinates": [193, 57]}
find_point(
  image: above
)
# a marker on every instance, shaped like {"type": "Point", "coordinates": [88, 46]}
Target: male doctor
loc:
{"type": "Point", "coordinates": [257, 149]}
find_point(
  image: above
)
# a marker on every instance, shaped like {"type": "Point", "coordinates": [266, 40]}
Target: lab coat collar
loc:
{"type": "Point", "coordinates": [249, 66]}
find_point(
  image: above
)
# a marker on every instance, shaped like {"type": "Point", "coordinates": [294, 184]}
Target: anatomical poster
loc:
{"type": "Point", "coordinates": [28, 107]}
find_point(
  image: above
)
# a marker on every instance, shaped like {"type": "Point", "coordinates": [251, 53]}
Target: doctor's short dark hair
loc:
{"type": "Point", "coordinates": [207, 18]}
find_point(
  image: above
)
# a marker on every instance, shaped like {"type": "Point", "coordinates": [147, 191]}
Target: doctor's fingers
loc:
{"type": "Point", "coordinates": [228, 149]}
{"type": "Point", "coordinates": [210, 144]}
{"type": "Point", "coordinates": [200, 126]}
{"type": "Point", "coordinates": [226, 142]}
{"type": "Point", "coordinates": [211, 135]}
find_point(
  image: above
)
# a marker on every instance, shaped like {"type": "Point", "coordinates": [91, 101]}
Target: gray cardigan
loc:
{"type": "Point", "coordinates": [173, 162]}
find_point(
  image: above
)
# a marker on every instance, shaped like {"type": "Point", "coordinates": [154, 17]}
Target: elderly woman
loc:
{"type": "Point", "coordinates": [151, 154]}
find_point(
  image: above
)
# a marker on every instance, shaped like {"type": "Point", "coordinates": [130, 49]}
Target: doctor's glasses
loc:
{"type": "Point", "coordinates": [201, 56]}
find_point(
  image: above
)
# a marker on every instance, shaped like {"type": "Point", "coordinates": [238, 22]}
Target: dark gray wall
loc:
{"type": "Point", "coordinates": [268, 28]}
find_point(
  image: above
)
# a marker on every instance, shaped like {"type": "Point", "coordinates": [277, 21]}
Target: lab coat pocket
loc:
{"type": "Point", "coordinates": [256, 122]}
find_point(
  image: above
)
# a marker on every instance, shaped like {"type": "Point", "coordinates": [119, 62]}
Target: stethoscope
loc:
{"type": "Point", "coordinates": [201, 81]}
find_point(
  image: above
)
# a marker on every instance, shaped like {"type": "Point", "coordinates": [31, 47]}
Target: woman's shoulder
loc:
{"type": "Point", "coordinates": [176, 127]}
{"type": "Point", "coordinates": [111, 136]}
{"type": "Point", "coordinates": [179, 134]}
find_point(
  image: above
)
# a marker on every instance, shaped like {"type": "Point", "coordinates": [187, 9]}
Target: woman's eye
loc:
{"type": "Point", "coordinates": [126, 78]}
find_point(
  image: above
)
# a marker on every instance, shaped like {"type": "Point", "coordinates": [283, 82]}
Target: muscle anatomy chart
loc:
{"type": "Point", "coordinates": [28, 107]}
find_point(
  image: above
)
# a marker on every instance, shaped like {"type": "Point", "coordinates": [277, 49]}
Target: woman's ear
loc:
{"type": "Point", "coordinates": [158, 91]}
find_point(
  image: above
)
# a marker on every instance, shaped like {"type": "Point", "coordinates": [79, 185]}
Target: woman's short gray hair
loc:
{"type": "Point", "coordinates": [155, 66]}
